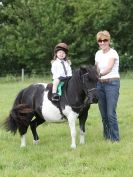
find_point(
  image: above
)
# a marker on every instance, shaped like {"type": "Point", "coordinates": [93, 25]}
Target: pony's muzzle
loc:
{"type": "Point", "coordinates": [93, 96]}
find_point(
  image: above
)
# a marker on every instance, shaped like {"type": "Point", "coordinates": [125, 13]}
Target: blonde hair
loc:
{"type": "Point", "coordinates": [103, 35]}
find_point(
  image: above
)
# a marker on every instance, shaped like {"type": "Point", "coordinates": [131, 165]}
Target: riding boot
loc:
{"type": "Point", "coordinates": [55, 97]}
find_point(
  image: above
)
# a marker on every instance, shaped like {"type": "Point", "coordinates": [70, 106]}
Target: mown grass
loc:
{"type": "Point", "coordinates": [53, 157]}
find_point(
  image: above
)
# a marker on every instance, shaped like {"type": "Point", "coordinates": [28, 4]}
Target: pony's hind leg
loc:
{"type": "Point", "coordinates": [23, 136]}
{"type": "Point", "coordinates": [23, 127]}
{"type": "Point", "coordinates": [33, 125]}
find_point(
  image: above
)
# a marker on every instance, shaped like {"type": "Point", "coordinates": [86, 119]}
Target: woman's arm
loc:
{"type": "Point", "coordinates": [108, 68]}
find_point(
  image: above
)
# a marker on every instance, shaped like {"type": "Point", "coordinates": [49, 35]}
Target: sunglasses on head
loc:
{"type": "Point", "coordinates": [104, 40]}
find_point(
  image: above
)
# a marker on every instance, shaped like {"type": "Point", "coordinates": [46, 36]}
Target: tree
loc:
{"type": "Point", "coordinates": [30, 29]}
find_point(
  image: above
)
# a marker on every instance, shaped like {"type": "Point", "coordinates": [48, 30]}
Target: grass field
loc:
{"type": "Point", "coordinates": [53, 157]}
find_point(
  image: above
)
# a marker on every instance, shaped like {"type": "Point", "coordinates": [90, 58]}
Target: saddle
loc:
{"type": "Point", "coordinates": [59, 92]}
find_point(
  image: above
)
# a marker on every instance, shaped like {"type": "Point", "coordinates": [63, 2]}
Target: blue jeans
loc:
{"type": "Point", "coordinates": [108, 98]}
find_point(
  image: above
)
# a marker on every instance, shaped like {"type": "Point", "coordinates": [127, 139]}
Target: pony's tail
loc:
{"type": "Point", "coordinates": [18, 118]}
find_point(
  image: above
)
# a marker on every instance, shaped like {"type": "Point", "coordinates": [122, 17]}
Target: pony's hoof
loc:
{"type": "Point", "coordinates": [22, 146]}
{"type": "Point", "coordinates": [35, 141]}
{"type": "Point", "coordinates": [82, 138]}
{"type": "Point", "coordinates": [82, 142]}
{"type": "Point", "coordinates": [73, 146]}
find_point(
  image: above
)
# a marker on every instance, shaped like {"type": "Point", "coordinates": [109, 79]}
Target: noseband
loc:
{"type": "Point", "coordinates": [91, 90]}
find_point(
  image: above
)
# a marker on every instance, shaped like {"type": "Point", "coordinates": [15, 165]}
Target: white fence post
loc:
{"type": "Point", "coordinates": [22, 75]}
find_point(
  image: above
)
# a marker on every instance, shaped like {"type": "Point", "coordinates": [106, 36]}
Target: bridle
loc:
{"type": "Point", "coordinates": [88, 91]}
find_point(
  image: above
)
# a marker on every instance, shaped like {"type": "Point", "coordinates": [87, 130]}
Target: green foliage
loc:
{"type": "Point", "coordinates": [30, 29]}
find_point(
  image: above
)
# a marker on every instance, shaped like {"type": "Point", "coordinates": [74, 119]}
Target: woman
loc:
{"type": "Point", "coordinates": [107, 62]}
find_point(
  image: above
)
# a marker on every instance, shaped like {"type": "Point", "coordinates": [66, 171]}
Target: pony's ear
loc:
{"type": "Point", "coordinates": [91, 70]}
{"type": "Point", "coordinates": [83, 70]}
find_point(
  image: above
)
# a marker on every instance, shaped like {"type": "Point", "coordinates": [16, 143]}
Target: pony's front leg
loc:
{"type": "Point", "coordinates": [82, 137]}
{"type": "Point", "coordinates": [23, 141]}
{"type": "Point", "coordinates": [82, 119]}
{"type": "Point", "coordinates": [72, 124]}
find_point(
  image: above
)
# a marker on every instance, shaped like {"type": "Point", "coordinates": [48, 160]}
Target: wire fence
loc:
{"type": "Point", "coordinates": [22, 75]}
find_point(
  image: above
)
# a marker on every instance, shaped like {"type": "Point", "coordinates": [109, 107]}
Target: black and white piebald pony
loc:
{"type": "Point", "coordinates": [35, 101]}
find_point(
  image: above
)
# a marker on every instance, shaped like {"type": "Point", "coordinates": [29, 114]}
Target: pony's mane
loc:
{"type": "Point", "coordinates": [92, 73]}
{"type": "Point", "coordinates": [89, 70]}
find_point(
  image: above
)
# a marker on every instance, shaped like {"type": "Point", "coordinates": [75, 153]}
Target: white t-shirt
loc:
{"type": "Point", "coordinates": [102, 60]}
{"type": "Point", "coordinates": [57, 69]}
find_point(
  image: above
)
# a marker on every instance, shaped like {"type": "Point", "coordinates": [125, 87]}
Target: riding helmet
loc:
{"type": "Point", "coordinates": [61, 46]}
